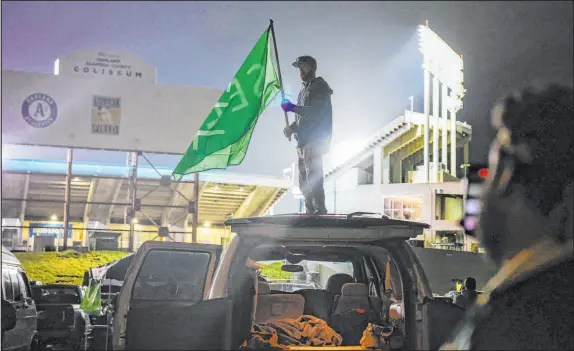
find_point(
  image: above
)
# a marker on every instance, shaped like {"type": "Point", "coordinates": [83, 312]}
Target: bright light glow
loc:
{"type": "Point", "coordinates": [54, 218]}
{"type": "Point", "coordinates": [57, 67]}
{"type": "Point", "coordinates": [441, 60]}
{"type": "Point", "coordinates": [216, 187]}
{"type": "Point", "coordinates": [76, 179]}
{"type": "Point", "coordinates": [135, 220]}
{"type": "Point", "coordinates": [207, 224]}
{"type": "Point", "coordinates": [454, 103]}
{"type": "Point", "coordinates": [344, 151]}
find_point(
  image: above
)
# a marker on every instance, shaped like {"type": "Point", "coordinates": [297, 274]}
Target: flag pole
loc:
{"type": "Point", "coordinates": [278, 70]}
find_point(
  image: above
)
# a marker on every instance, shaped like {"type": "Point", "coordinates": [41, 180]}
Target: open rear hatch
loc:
{"type": "Point", "coordinates": [160, 305]}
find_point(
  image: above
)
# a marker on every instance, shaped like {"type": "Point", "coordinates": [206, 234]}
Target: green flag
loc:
{"type": "Point", "coordinates": [92, 300]}
{"type": "Point", "coordinates": [224, 136]}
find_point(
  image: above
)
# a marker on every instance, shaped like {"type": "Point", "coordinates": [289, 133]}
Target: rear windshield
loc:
{"type": "Point", "coordinates": [315, 274]}
{"type": "Point", "coordinates": [56, 295]}
{"type": "Point", "coordinates": [169, 275]}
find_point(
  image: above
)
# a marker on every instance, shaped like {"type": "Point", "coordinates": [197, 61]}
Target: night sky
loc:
{"type": "Point", "coordinates": [367, 52]}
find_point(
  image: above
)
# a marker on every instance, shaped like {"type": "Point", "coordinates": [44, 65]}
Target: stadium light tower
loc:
{"type": "Point", "coordinates": [446, 66]}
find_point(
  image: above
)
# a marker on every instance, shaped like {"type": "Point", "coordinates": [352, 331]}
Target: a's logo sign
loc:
{"type": "Point", "coordinates": [39, 110]}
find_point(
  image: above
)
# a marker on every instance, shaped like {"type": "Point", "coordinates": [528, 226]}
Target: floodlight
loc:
{"type": "Point", "coordinates": [440, 59]}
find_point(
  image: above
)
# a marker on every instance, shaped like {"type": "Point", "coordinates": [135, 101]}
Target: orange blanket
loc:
{"type": "Point", "coordinates": [303, 331]}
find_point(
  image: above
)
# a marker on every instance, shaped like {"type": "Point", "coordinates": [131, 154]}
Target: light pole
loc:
{"type": "Point", "coordinates": [443, 63]}
{"type": "Point", "coordinates": [464, 167]}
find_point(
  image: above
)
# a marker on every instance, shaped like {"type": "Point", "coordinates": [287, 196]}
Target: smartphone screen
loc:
{"type": "Point", "coordinates": [473, 207]}
{"type": "Point", "coordinates": [474, 183]}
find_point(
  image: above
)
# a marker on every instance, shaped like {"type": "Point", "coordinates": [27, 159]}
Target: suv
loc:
{"type": "Point", "coordinates": [16, 291]}
{"type": "Point", "coordinates": [177, 296]}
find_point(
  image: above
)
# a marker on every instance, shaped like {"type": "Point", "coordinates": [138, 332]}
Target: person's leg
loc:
{"type": "Point", "coordinates": [303, 182]}
{"type": "Point", "coordinates": [314, 169]}
{"type": "Point", "coordinates": [318, 190]}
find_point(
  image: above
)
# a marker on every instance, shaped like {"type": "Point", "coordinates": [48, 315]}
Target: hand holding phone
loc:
{"type": "Point", "coordinates": [474, 184]}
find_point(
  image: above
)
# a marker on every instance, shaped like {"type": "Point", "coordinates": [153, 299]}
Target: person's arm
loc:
{"type": "Point", "coordinates": [293, 126]}
{"type": "Point", "coordinates": [319, 97]}
{"type": "Point", "coordinates": [460, 300]}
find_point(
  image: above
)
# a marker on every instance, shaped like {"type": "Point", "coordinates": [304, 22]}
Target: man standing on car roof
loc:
{"type": "Point", "coordinates": [312, 129]}
{"type": "Point", "coordinates": [526, 228]}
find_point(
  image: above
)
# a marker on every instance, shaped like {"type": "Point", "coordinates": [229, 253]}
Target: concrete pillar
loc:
{"type": "Point", "coordinates": [67, 195]}
{"type": "Point", "coordinates": [378, 165]}
{"type": "Point", "coordinates": [22, 215]}
{"type": "Point", "coordinates": [426, 123]}
{"type": "Point", "coordinates": [133, 179]}
{"type": "Point", "coordinates": [406, 165]}
{"type": "Point", "coordinates": [435, 134]}
{"type": "Point", "coordinates": [386, 169]}
{"type": "Point", "coordinates": [453, 142]}
{"type": "Point", "coordinates": [396, 169]}
{"type": "Point", "coordinates": [444, 143]}
{"type": "Point", "coordinates": [186, 229]}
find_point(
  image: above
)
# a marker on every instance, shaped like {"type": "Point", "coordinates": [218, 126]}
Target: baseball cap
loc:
{"type": "Point", "coordinates": [305, 59]}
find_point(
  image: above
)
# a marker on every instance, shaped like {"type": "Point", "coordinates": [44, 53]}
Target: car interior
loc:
{"type": "Point", "coordinates": [368, 284]}
{"type": "Point", "coordinates": [340, 291]}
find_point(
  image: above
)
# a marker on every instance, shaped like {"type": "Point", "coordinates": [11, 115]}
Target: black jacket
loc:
{"type": "Point", "coordinates": [466, 298]}
{"type": "Point", "coordinates": [314, 125]}
{"type": "Point", "coordinates": [529, 314]}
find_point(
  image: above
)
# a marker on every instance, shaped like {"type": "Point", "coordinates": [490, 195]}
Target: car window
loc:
{"type": "Point", "coordinates": [371, 278]}
{"type": "Point", "coordinates": [26, 283]}
{"type": "Point", "coordinates": [6, 281]}
{"type": "Point", "coordinates": [173, 275]}
{"type": "Point", "coordinates": [15, 286]}
{"type": "Point", "coordinates": [56, 295]}
{"type": "Point", "coordinates": [314, 276]}
{"type": "Point", "coordinates": [22, 284]}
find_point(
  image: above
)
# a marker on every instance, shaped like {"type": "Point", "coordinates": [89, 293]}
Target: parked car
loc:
{"type": "Point", "coordinates": [61, 321]}
{"type": "Point", "coordinates": [16, 291]}
{"type": "Point", "coordinates": [8, 317]}
{"type": "Point", "coordinates": [174, 297]}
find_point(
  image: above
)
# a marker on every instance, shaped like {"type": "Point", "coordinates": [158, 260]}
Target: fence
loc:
{"type": "Point", "coordinates": [27, 238]}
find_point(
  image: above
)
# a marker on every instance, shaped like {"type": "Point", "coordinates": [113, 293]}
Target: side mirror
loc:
{"type": "Point", "coordinates": [8, 316]}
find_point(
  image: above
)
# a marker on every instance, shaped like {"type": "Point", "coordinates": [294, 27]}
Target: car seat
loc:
{"type": "Point", "coordinates": [277, 306]}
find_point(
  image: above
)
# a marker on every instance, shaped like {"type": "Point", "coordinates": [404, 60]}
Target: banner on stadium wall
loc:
{"type": "Point", "coordinates": [49, 229]}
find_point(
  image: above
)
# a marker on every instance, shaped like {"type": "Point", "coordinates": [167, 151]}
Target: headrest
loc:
{"type": "Point", "coordinates": [336, 282]}
{"type": "Point", "coordinates": [355, 289]}
{"type": "Point", "coordinates": [264, 288]}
